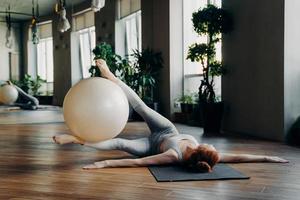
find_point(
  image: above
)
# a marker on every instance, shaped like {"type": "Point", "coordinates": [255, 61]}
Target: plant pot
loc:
{"type": "Point", "coordinates": [44, 99]}
{"type": "Point", "coordinates": [212, 116]}
{"type": "Point", "coordinates": [186, 108]}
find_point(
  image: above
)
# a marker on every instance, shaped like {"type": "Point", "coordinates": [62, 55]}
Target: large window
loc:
{"type": "Point", "coordinates": [84, 26]}
{"type": "Point", "coordinates": [193, 70]}
{"type": "Point", "coordinates": [129, 27]}
{"type": "Point", "coordinates": [44, 58]}
{"type": "Point", "coordinates": [87, 43]}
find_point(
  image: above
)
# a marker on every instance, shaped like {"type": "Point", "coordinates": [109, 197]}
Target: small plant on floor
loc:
{"type": "Point", "coordinates": [187, 102]}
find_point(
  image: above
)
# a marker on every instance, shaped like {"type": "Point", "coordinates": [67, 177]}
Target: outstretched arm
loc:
{"type": "Point", "coordinates": [167, 157]}
{"type": "Point", "coordinates": [240, 158]}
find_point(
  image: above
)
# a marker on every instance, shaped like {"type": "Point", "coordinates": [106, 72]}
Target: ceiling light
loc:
{"type": "Point", "coordinates": [34, 24]}
{"type": "Point", "coordinates": [8, 35]}
{"type": "Point", "coordinates": [63, 24]}
{"type": "Point", "coordinates": [97, 5]}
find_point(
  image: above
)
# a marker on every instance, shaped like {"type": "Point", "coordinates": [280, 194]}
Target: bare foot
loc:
{"type": "Point", "coordinates": [66, 139]}
{"type": "Point", "coordinates": [105, 71]}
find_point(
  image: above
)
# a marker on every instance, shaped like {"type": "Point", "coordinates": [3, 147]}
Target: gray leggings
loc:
{"type": "Point", "coordinates": [142, 146]}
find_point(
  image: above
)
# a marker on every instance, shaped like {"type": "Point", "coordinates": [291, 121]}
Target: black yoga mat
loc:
{"type": "Point", "coordinates": [178, 173]}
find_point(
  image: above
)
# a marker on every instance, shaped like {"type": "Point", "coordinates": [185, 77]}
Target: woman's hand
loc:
{"type": "Point", "coordinates": [276, 159]}
{"type": "Point", "coordinates": [96, 165]}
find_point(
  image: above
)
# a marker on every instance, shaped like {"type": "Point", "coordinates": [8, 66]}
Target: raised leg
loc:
{"type": "Point", "coordinates": [154, 120]}
{"type": "Point", "coordinates": [138, 147]}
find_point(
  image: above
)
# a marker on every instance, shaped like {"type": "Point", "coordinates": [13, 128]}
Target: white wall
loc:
{"type": "Point", "coordinates": [4, 51]}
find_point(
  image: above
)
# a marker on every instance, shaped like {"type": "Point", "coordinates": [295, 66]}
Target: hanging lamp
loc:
{"type": "Point", "coordinates": [63, 24]}
{"type": "Point", "coordinates": [97, 5]}
{"type": "Point", "coordinates": [8, 35]}
{"type": "Point", "coordinates": [34, 24]}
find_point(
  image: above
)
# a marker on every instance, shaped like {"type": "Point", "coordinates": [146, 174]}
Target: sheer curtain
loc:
{"type": "Point", "coordinates": [133, 33]}
{"type": "Point", "coordinates": [87, 43]}
{"type": "Point", "coordinates": [84, 29]}
{"type": "Point", "coordinates": [44, 57]}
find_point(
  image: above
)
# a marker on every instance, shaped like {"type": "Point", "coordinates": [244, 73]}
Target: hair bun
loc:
{"type": "Point", "coordinates": [203, 166]}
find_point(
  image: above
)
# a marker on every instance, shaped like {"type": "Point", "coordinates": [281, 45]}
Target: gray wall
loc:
{"type": "Point", "coordinates": [261, 88]}
{"type": "Point", "coordinates": [156, 36]}
{"type": "Point", "coordinates": [161, 20]}
{"type": "Point", "coordinates": [61, 61]}
{"type": "Point", "coordinates": [105, 23]}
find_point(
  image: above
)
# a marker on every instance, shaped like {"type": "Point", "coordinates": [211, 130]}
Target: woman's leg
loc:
{"type": "Point", "coordinates": [32, 100]}
{"type": "Point", "coordinates": [154, 120]}
{"type": "Point", "coordinates": [138, 147]}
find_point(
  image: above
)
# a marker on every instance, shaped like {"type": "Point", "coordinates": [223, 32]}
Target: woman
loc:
{"type": "Point", "coordinates": [164, 146]}
{"type": "Point", "coordinates": [25, 101]}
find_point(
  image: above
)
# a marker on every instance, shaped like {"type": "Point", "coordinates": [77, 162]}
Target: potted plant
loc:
{"type": "Point", "coordinates": [187, 102]}
{"type": "Point", "coordinates": [36, 84]}
{"type": "Point", "coordinates": [147, 64]}
{"type": "Point", "coordinates": [32, 86]}
{"type": "Point", "coordinates": [211, 22]}
{"type": "Point", "coordinates": [105, 51]}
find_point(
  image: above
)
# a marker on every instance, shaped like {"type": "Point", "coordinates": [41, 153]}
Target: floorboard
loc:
{"type": "Point", "coordinates": [33, 167]}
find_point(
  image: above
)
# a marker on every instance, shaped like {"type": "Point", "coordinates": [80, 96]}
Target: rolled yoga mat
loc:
{"type": "Point", "coordinates": [178, 173]}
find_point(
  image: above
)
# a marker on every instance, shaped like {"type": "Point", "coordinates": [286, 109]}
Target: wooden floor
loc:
{"type": "Point", "coordinates": [33, 167]}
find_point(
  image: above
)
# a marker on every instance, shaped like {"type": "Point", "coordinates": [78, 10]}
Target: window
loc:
{"type": "Point", "coordinates": [84, 26]}
{"type": "Point", "coordinates": [87, 43]}
{"type": "Point", "coordinates": [193, 70]}
{"type": "Point", "coordinates": [44, 57]}
{"type": "Point", "coordinates": [129, 27]}
{"type": "Point", "coordinates": [133, 32]}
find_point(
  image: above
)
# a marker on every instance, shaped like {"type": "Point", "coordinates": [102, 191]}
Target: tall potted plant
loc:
{"type": "Point", "coordinates": [147, 64]}
{"type": "Point", "coordinates": [211, 22]}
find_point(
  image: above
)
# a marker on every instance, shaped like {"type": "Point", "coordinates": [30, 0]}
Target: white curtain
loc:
{"type": "Point", "coordinates": [133, 33]}
{"type": "Point", "coordinates": [87, 44]}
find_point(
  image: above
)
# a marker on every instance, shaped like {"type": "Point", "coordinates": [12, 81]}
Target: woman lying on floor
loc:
{"type": "Point", "coordinates": [25, 101]}
{"type": "Point", "coordinates": [164, 146]}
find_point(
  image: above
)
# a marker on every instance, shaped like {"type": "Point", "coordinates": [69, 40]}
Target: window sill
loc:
{"type": "Point", "coordinates": [192, 75]}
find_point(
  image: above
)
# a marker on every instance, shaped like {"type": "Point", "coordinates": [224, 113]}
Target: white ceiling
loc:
{"type": "Point", "coordinates": [46, 7]}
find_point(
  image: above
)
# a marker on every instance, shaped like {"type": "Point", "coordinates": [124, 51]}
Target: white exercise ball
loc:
{"type": "Point", "coordinates": [8, 94]}
{"type": "Point", "coordinates": [95, 109]}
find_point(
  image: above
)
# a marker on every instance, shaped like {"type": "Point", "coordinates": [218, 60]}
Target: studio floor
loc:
{"type": "Point", "coordinates": [33, 167]}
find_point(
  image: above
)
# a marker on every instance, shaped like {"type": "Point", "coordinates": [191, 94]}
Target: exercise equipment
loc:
{"type": "Point", "coordinates": [95, 109]}
{"type": "Point", "coordinates": [8, 94]}
{"type": "Point", "coordinates": [179, 173]}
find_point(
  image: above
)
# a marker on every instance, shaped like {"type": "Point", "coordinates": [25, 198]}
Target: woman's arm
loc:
{"type": "Point", "coordinates": [240, 158]}
{"type": "Point", "coordinates": [167, 157]}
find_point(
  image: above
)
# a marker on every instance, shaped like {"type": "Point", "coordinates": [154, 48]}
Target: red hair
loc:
{"type": "Point", "coordinates": [201, 159]}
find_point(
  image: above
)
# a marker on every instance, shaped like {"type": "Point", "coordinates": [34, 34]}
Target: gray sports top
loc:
{"type": "Point", "coordinates": [172, 142]}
